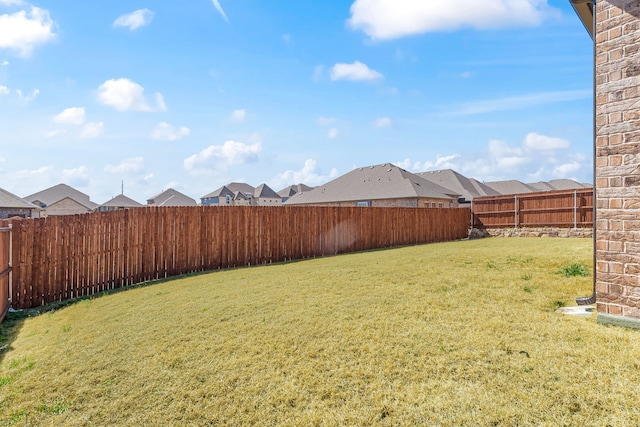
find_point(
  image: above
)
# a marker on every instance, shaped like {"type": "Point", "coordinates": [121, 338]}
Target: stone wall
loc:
{"type": "Point", "coordinates": [618, 157]}
{"type": "Point", "coordinates": [531, 232]}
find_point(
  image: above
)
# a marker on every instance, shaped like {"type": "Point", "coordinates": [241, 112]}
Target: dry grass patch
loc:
{"type": "Point", "coordinates": [459, 333]}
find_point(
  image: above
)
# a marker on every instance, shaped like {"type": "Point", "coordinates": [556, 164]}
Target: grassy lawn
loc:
{"type": "Point", "coordinates": [460, 333]}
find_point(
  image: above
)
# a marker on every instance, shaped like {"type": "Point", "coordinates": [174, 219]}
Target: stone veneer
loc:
{"type": "Point", "coordinates": [617, 159]}
{"type": "Point", "coordinates": [476, 233]}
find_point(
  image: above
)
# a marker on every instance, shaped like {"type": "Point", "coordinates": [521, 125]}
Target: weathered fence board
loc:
{"type": "Point", "coordinates": [5, 267]}
{"type": "Point", "coordinates": [567, 208]}
{"type": "Point", "coordinates": [59, 258]}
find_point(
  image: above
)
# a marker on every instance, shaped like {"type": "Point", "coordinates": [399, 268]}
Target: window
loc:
{"type": "Point", "coordinates": [363, 204]}
{"type": "Point", "coordinates": [441, 205]}
{"type": "Point", "coordinates": [228, 199]}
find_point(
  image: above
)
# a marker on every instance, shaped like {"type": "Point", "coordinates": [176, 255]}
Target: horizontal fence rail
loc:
{"type": "Point", "coordinates": [566, 209]}
{"type": "Point", "coordinates": [60, 258]}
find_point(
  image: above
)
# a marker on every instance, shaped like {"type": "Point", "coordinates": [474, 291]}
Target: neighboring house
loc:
{"type": "Point", "coordinates": [511, 186]}
{"type": "Point", "coordinates": [220, 197]}
{"type": "Point", "coordinates": [292, 190]}
{"type": "Point", "coordinates": [468, 188]}
{"type": "Point", "coordinates": [171, 197]}
{"type": "Point", "coordinates": [263, 195]}
{"type": "Point", "coordinates": [384, 185]}
{"type": "Point", "coordinates": [62, 199]}
{"type": "Point", "coordinates": [241, 194]}
{"type": "Point", "coordinates": [558, 184]}
{"type": "Point", "coordinates": [118, 203]}
{"type": "Point", "coordinates": [14, 206]}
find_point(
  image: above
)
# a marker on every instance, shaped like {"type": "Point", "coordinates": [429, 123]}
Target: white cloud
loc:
{"type": "Point", "coordinates": [357, 71]}
{"type": "Point", "coordinates": [165, 132]}
{"type": "Point", "coordinates": [55, 133]}
{"type": "Point", "coordinates": [4, 90]}
{"type": "Point", "coordinates": [127, 166]}
{"type": "Point", "coordinates": [325, 121]}
{"type": "Point", "coordinates": [318, 73]}
{"type": "Point", "coordinates": [22, 31]}
{"type": "Point", "coordinates": [519, 102]}
{"type": "Point", "coordinates": [70, 116]}
{"type": "Point", "coordinates": [229, 153]}
{"type": "Point", "coordinates": [76, 177]}
{"type": "Point", "coordinates": [124, 94]}
{"type": "Point", "coordinates": [12, 2]}
{"type": "Point", "coordinates": [134, 20]}
{"type": "Point", "coordinates": [382, 122]}
{"type": "Point", "coordinates": [332, 133]}
{"type": "Point", "coordinates": [441, 162]}
{"type": "Point", "coordinates": [4, 63]}
{"type": "Point", "coordinates": [390, 19]}
{"type": "Point", "coordinates": [218, 7]}
{"type": "Point", "coordinates": [28, 98]}
{"type": "Point", "coordinates": [308, 175]}
{"type": "Point", "coordinates": [92, 130]}
{"type": "Point", "coordinates": [535, 141]}
{"type": "Point", "coordinates": [239, 116]}
{"type": "Point", "coordinates": [566, 169]}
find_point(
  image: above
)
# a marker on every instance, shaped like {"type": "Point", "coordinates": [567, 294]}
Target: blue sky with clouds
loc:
{"type": "Point", "coordinates": [193, 95]}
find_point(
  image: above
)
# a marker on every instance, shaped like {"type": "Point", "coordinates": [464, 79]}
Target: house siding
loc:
{"type": "Point", "coordinates": [617, 157]}
{"type": "Point", "coordinates": [65, 207]}
{"type": "Point", "coordinates": [6, 213]}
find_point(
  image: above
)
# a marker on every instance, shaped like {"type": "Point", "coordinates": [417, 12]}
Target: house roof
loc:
{"type": "Point", "coordinates": [264, 191]}
{"type": "Point", "coordinates": [377, 182]}
{"type": "Point", "coordinates": [122, 201]}
{"type": "Point", "coordinates": [220, 192]}
{"type": "Point", "coordinates": [584, 9]}
{"type": "Point", "coordinates": [10, 200]}
{"type": "Point", "coordinates": [171, 197]}
{"type": "Point", "coordinates": [294, 189]}
{"type": "Point", "coordinates": [58, 192]}
{"type": "Point", "coordinates": [240, 186]}
{"type": "Point", "coordinates": [558, 184]}
{"type": "Point", "coordinates": [466, 187]}
{"type": "Point", "coordinates": [511, 186]}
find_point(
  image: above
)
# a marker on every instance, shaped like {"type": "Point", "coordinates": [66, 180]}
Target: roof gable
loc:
{"type": "Point", "coordinates": [58, 192]}
{"type": "Point", "coordinates": [264, 191]}
{"type": "Point", "coordinates": [122, 201]}
{"type": "Point", "coordinates": [10, 200]}
{"type": "Point", "coordinates": [171, 197]}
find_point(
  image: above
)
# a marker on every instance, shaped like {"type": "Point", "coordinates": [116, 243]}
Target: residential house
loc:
{"type": "Point", "coordinates": [14, 206]}
{"type": "Point", "coordinates": [384, 185]}
{"type": "Point", "coordinates": [558, 184]}
{"type": "Point", "coordinates": [118, 203]}
{"type": "Point", "coordinates": [292, 190]}
{"type": "Point", "coordinates": [241, 194]}
{"type": "Point", "coordinates": [171, 197]}
{"type": "Point", "coordinates": [62, 199]}
{"type": "Point", "coordinates": [468, 188]}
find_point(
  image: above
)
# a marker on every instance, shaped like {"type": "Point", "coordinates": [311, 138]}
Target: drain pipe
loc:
{"type": "Point", "coordinates": [592, 298]}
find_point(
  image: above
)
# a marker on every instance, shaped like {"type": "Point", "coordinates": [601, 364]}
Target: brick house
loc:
{"type": "Point", "coordinates": [384, 185]}
{"type": "Point", "coordinates": [62, 199]}
{"type": "Point", "coordinates": [615, 27]}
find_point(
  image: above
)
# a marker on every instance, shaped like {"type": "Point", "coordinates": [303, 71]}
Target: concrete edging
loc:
{"type": "Point", "coordinates": [613, 320]}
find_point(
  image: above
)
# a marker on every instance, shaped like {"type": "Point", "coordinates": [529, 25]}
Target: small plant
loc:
{"type": "Point", "coordinates": [556, 304]}
{"type": "Point", "coordinates": [527, 289]}
{"type": "Point", "coordinates": [527, 276]}
{"type": "Point", "coordinates": [575, 269]}
{"type": "Point", "coordinates": [491, 264]}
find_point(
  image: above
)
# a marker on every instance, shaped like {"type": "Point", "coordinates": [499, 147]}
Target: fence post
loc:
{"type": "Point", "coordinates": [515, 210]}
{"type": "Point", "coordinates": [575, 209]}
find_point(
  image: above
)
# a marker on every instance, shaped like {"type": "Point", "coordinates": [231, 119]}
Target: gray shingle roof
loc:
{"type": "Point", "coordinates": [294, 189]}
{"type": "Point", "coordinates": [511, 186]}
{"type": "Point", "coordinates": [263, 190]}
{"type": "Point", "coordinates": [377, 182]}
{"type": "Point", "coordinates": [171, 197]}
{"type": "Point", "coordinates": [122, 201]}
{"type": "Point", "coordinates": [466, 187]}
{"type": "Point", "coordinates": [240, 186]}
{"type": "Point", "coordinates": [220, 192]}
{"type": "Point", "coordinates": [61, 191]}
{"type": "Point", "coordinates": [10, 200]}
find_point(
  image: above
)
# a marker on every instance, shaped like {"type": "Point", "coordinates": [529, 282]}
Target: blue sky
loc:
{"type": "Point", "coordinates": [193, 95]}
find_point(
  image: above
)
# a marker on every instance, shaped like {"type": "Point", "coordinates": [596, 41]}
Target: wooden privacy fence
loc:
{"type": "Point", "coordinates": [567, 208]}
{"type": "Point", "coordinates": [59, 258]}
{"type": "Point", "coordinates": [5, 267]}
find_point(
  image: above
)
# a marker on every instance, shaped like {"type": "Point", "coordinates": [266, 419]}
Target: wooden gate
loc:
{"type": "Point", "coordinates": [5, 269]}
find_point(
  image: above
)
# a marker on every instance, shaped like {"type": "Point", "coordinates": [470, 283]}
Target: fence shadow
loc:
{"type": "Point", "coordinates": [9, 331]}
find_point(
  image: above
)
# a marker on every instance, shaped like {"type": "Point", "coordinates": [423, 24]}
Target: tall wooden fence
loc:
{"type": "Point", "coordinates": [567, 208]}
{"type": "Point", "coordinates": [5, 267]}
{"type": "Point", "coordinates": [59, 258]}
